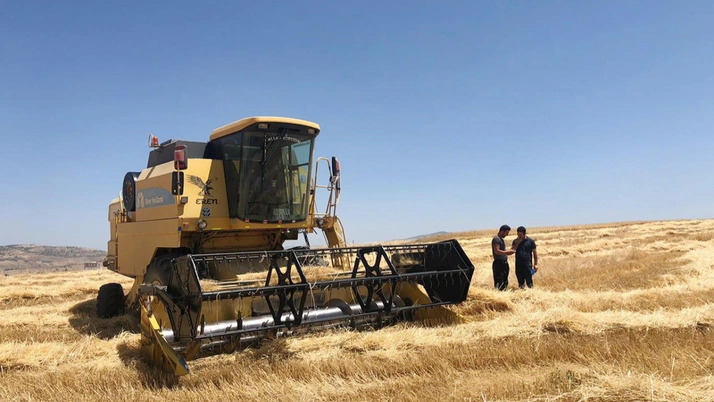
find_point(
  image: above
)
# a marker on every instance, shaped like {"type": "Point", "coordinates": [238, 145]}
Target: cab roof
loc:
{"type": "Point", "coordinates": [249, 121]}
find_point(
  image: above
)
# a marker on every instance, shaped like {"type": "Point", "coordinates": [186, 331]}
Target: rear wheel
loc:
{"type": "Point", "coordinates": [110, 300]}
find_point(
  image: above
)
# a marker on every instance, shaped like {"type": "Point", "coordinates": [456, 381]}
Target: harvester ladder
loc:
{"type": "Point", "coordinates": [333, 197]}
{"type": "Point", "coordinates": [329, 222]}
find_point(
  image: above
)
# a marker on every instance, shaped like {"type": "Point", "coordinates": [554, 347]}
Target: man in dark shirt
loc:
{"type": "Point", "coordinates": [500, 258]}
{"type": "Point", "coordinates": [526, 258]}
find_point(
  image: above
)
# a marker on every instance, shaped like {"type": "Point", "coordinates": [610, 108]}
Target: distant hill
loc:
{"type": "Point", "coordinates": [426, 235]}
{"type": "Point", "coordinates": [30, 257]}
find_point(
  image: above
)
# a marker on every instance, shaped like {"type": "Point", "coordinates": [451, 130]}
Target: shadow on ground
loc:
{"type": "Point", "coordinates": [150, 377]}
{"type": "Point", "coordinates": [85, 321]}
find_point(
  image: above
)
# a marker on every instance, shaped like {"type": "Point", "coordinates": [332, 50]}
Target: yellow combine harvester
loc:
{"type": "Point", "coordinates": [201, 230]}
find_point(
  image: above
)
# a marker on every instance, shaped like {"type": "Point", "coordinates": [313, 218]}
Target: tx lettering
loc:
{"type": "Point", "coordinates": [207, 201]}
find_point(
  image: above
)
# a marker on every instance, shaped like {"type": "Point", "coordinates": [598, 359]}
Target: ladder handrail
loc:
{"type": "Point", "coordinates": [331, 207]}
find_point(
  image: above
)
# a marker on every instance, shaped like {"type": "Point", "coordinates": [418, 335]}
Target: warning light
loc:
{"type": "Point", "coordinates": [153, 141]}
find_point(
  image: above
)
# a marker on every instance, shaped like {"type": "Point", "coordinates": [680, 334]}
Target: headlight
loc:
{"type": "Point", "coordinates": [202, 224]}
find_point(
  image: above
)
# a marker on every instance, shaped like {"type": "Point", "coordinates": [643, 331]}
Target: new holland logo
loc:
{"type": "Point", "coordinates": [205, 187]}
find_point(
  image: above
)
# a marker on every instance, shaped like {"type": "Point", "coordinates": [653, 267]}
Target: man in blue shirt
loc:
{"type": "Point", "coordinates": [526, 258]}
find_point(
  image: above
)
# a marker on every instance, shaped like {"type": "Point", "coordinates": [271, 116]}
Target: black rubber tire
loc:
{"type": "Point", "coordinates": [159, 271]}
{"type": "Point", "coordinates": [110, 300]}
{"type": "Point", "coordinates": [129, 191]}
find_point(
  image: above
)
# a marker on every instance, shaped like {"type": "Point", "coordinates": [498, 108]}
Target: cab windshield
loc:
{"type": "Point", "coordinates": [267, 174]}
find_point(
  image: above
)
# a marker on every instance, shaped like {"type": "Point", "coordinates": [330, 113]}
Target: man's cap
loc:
{"type": "Point", "coordinates": [504, 227]}
{"type": "Point", "coordinates": [521, 229]}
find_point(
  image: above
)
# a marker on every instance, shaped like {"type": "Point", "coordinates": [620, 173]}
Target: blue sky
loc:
{"type": "Point", "coordinates": [446, 116]}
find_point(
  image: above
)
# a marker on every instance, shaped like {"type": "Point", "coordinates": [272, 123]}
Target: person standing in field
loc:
{"type": "Point", "coordinates": [500, 258]}
{"type": "Point", "coordinates": [526, 258]}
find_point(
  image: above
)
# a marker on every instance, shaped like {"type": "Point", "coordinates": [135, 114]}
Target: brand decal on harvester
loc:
{"type": "Point", "coordinates": [153, 197]}
{"type": "Point", "coordinates": [205, 187]}
{"type": "Point", "coordinates": [205, 190]}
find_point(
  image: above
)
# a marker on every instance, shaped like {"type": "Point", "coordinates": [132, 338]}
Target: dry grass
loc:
{"type": "Point", "coordinates": [620, 312]}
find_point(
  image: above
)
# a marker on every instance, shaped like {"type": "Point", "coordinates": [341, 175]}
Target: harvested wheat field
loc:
{"type": "Point", "coordinates": [620, 312]}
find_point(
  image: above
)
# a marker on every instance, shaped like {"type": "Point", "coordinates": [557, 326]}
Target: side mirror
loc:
{"type": "Point", "coordinates": [335, 178]}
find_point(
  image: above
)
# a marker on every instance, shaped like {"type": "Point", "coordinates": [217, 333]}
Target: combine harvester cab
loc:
{"type": "Point", "coordinates": [201, 230]}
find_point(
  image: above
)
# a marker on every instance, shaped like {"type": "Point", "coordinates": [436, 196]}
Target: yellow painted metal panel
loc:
{"type": "Point", "coordinates": [205, 187]}
{"type": "Point", "coordinates": [153, 194]}
{"type": "Point", "coordinates": [156, 346]}
{"type": "Point", "coordinates": [137, 242]}
{"type": "Point", "coordinates": [243, 123]}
